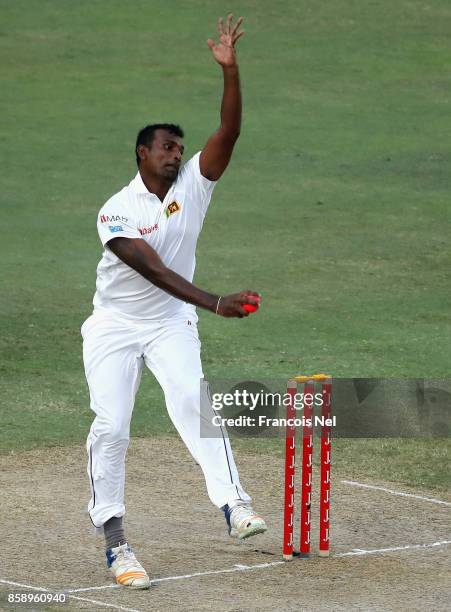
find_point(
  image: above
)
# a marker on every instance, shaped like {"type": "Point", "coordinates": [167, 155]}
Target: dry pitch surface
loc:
{"type": "Point", "coordinates": [399, 547]}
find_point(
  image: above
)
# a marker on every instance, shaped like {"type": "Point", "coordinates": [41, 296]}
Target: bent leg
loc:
{"type": "Point", "coordinates": [174, 359]}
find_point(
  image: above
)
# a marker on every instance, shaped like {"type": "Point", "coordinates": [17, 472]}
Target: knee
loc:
{"type": "Point", "coordinates": [112, 431]}
{"type": "Point", "coordinates": [186, 394]}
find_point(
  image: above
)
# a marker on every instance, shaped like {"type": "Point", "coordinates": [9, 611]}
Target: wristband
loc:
{"type": "Point", "coordinates": [217, 306]}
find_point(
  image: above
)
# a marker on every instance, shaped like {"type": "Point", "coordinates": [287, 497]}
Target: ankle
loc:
{"type": "Point", "coordinates": [114, 533]}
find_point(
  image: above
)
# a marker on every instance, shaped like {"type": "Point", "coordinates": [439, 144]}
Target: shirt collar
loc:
{"type": "Point", "coordinates": [138, 186]}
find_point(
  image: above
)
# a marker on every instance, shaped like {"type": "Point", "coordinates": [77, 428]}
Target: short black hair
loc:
{"type": "Point", "coordinates": [146, 135]}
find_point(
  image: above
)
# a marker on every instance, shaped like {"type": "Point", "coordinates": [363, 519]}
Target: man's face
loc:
{"type": "Point", "coordinates": [164, 155]}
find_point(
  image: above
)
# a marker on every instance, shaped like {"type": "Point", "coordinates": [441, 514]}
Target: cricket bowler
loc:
{"type": "Point", "coordinates": [145, 315]}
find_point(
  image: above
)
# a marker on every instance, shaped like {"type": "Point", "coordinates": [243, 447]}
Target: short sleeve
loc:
{"type": "Point", "coordinates": [114, 222]}
{"type": "Point", "coordinates": [206, 184]}
{"type": "Point", "coordinates": [201, 188]}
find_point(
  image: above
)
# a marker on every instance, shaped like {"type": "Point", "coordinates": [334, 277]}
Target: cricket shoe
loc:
{"type": "Point", "coordinates": [243, 521]}
{"type": "Point", "coordinates": [126, 569]}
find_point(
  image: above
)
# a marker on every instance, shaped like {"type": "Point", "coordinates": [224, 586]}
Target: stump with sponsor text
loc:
{"type": "Point", "coordinates": [310, 393]}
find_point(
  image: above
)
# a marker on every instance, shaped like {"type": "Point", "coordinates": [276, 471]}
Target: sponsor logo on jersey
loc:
{"type": "Point", "coordinates": [172, 208]}
{"type": "Point", "coordinates": [112, 218]}
{"type": "Point", "coordinates": [116, 228]}
{"type": "Point", "coordinates": [147, 230]}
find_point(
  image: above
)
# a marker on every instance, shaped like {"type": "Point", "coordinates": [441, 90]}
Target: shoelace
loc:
{"type": "Point", "coordinates": [127, 558]}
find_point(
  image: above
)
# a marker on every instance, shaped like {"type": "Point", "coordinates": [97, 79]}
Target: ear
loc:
{"type": "Point", "coordinates": [142, 151]}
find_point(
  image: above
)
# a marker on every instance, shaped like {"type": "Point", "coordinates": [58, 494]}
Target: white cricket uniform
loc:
{"type": "Point", "coordinates": [135, 323]}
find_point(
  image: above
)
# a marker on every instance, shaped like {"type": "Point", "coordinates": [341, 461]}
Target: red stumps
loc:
{"type": "Point", "coordinates": [326, 448]}
{"type": "Point", "coordinates": [307, 468]}
{"type": "Point", "coordinates": [290, 457]}
{"type": "Point", "coordinates": [307, 418]}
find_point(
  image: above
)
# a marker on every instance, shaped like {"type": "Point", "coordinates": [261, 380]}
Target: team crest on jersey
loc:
{"type": "Point", "coordinates": [172, 208]}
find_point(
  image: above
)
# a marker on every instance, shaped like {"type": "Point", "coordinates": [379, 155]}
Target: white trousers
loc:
{"type": "Point", "coordinates": [115, 350]}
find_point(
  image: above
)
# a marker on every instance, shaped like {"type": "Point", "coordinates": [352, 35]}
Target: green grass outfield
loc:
{"type": "Point", "coordinates": [335, 206]}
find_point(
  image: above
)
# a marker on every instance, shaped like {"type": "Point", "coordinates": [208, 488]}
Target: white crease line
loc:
{"type": "Point", "coordinates": [235, 568]}
{"type": "Point", "coordinates": [25, 586]}
{"type": "Point", "coordinates": [244, 568]}
{"type": "Point", "coordinates": [93, 601]}
{"type": "Point", "coordinates": [357, 552]}
{"type": "Point", "coordinates": [99, 588]}
{"type": "Point", "coordinates": [102, 603]}
{"type": "Point", "coordinates": [400, 493]}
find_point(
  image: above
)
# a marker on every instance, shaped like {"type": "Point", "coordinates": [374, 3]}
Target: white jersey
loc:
{"type": "Point", "coordinates": [170, 227]}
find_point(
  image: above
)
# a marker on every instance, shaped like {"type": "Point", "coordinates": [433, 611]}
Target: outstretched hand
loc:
{"type": "Point", "coordinates": [224, 51]}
